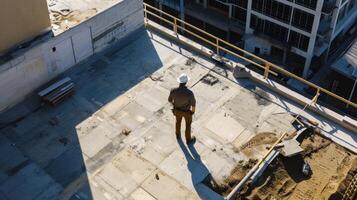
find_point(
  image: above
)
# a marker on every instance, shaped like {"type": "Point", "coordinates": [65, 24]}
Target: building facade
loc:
{"type": "Point", "coordinates": [22, 20]}
{"type": "Point", "coordinates": [301, 34]}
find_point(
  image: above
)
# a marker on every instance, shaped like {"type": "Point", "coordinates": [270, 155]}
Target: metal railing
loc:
{"type": "Point", "coordinates": [218, 44]}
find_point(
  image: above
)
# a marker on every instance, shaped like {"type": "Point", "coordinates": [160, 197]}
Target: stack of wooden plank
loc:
{"type": "Point", "coordinates": [57, 92]}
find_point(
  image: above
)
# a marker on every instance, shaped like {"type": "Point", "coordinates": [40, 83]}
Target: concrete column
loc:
{"type": "Point", "coordinates": [230, 13]}
{"type": "Point", "coordinates": [247, 22]}
{"type": "Point", "coordinates": [248, 30]}
{"type": "Point", "coordinates": [285, 55]}
{"type": "Point", "coordinates": [182, 9]}
{"type": "Point", "coordinates": [311, 47]}
{"type": "Point", "coordinates": [333, 26]}
{"type": "Point", "coordinates": [308, 60]}
{"type": "Point", "coordinates": [228, 35]}
{"type": "Point", "coordinates": [205, 3]}
{"type": "Point", "coordinates": [325, 56]}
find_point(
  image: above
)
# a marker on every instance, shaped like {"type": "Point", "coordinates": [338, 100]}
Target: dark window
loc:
{"type": "Point", "coordinates": [298, 40]}
{"type": "Point", "coordinates": [201, 2]}
{"type": "Point", "coordinates": [239, 14]}
{"type": "Point", "coordinates": [223, 8]}
{"type": "Point", "coordinates": [273, 9]}
{"type": "Point", "coordinates": [307, 3]}
{"type": "Point", "coordinates": [171, 3]}
{"type": "Point", "coordinates": [170, 11]}
{"type": "Point", "coordinates": [241, 3]}
{"type": "Point", "coordinates": [257, 5]}
{"type": "Point", "coordinates": [216, 31]}
{"type": "Point", "coordinates": [269, 28]}
{"type": "Point", "coordinates": [277, 53]}
{"type": "Point", "coordinates": [296, 62]}
{"type": "Point", "coordinates": [350, 6]}
{"type": "Point", "coordinates": [302, 20]}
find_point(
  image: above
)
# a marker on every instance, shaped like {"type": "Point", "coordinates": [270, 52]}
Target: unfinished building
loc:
{"type": "Point", "coordinates": [298, 34]}
{"type": "Point", "coordinates": [113, 136]}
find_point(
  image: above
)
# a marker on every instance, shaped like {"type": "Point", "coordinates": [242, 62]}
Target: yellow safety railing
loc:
{"type": "Point", "coordinates": [268, 67]}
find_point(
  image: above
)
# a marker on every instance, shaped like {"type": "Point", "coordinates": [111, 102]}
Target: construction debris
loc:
{"type": "Point", "coordinates": [126, 132]}
{"type": "Point", "coordinates": [210, 79]}
{"type": "Point", "coordinates": [306, 169]}
{"type": "Point", "coordinates": [318, 174]}
{"type": "Point", "coordinates": [57, 92]}
{"type": "Point", "coordinates": [290, 148]}
{"type": "Point", "coordinates": [190, 61]}
{"type": "Point", "coordinates": [240, 72]}
{"type": "Point", "coordinates": [217, 58]}
{"type": "Point", "coordinates": [157, 78]}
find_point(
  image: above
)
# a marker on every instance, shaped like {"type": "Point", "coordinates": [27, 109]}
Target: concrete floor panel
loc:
{"type": "Point", "coordinates": [162, 187]}
{"type": "Point", "coordinates": [29, 183]}
{"type": "Point", "coordinates": [223, 125]}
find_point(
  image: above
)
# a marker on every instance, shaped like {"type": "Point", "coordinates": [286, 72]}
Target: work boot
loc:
{"type": "Point", "coordinates": [192, 140]}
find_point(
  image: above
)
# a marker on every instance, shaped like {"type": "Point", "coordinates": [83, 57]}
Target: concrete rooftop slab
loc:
{"type": "Point", "coordinates": [65, 14]}
{"type": "Point", "coordinates": [79, 147]}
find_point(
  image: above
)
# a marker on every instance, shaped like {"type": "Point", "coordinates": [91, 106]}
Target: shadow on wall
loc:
{"type": "Point", "coordinates": [49, 153]}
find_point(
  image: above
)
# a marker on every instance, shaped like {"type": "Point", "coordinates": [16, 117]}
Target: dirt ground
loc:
{"type": "Point", "coordinates": [259, 143]}
{"type": "Point", "coordinates": [237, 174]}
{"type": "Point", "coordinates": [332, 169]}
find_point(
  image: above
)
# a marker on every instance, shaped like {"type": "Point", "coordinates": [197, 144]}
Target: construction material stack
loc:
{"type": "Point", "coordinates": [57, 92]}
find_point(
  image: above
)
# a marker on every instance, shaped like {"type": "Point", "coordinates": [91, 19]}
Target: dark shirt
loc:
{"type": "Point", "coordinates": [182, 98]}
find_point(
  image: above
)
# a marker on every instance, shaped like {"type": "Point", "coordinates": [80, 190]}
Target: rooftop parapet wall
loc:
{"type": "Point", "coordinates": [41, 63]}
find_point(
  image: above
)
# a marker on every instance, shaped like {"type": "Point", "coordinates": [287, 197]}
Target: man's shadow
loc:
{"type": "Point", "coordinates": [198, 171]}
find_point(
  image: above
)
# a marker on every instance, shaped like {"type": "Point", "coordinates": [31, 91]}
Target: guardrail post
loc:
{"type": "Point", "coordinates": [175, 25]}
{"type": "Point", "coordinates": [266, 70]}
{"type": "Point", "coordinates": [316, 96]}
{"type": "Point", "coordinates": [217, 45]}
{"type": "Point", "coordinates": [351, 95]}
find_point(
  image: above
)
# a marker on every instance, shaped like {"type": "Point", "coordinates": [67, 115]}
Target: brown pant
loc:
{"type": "Point", "coordinates": [188, 118]}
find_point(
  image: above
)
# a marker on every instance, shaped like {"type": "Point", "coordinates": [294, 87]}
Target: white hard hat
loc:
{"type": "Point", "coordinates": [183, 78]}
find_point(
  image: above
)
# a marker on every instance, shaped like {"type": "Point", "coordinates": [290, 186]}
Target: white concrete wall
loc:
{"type": "Point", "coordinates": [38, 65]}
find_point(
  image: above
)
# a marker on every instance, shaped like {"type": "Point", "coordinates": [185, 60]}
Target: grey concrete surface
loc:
{"type": "Point", "coordinates": [78, 150]}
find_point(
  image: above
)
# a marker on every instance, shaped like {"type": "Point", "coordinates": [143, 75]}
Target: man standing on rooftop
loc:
{"type": "Point", "coordinates": [184, 106]}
